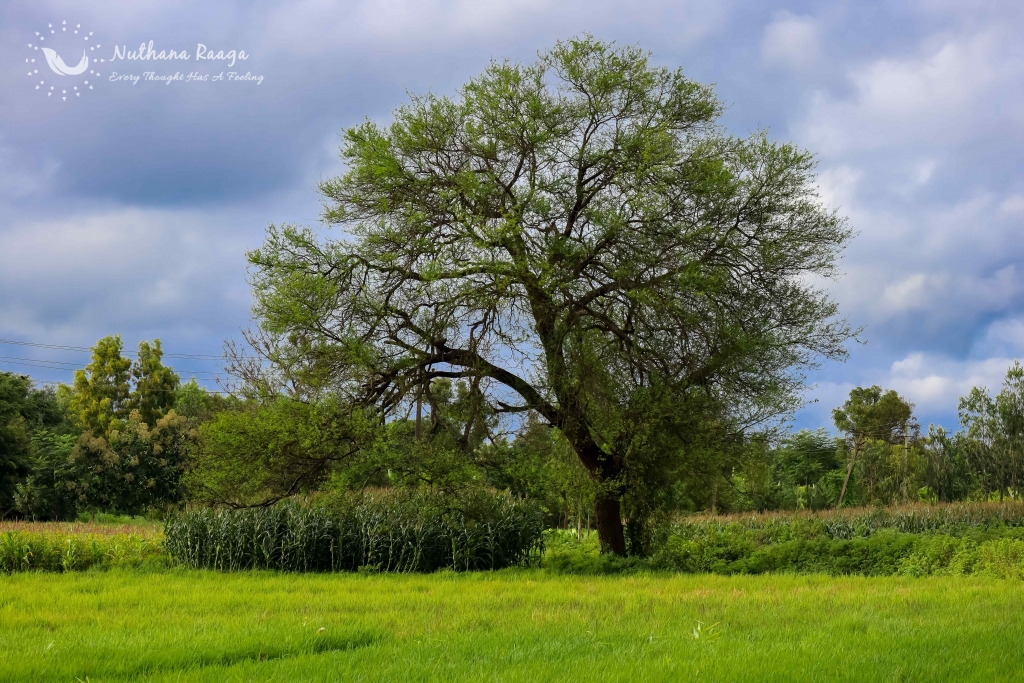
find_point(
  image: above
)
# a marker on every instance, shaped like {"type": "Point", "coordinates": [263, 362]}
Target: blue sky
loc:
{"type": "Point", "coordinates": [128, 209]}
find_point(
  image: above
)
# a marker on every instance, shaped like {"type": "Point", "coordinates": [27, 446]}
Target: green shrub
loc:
{"type": "Point", "coordinates": [377, 531]}
{"type": "Point", "coordinates": [564, 553]}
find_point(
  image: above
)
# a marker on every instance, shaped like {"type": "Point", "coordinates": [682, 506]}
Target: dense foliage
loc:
{"type": "Point", "coordinates": [375, 532]}
{"type": "Point", "coordinates": [30, 424]}
{"type": "Point", "coordinates": [112, 441]}
{"type": "Point", "coordinates": [920, 540]}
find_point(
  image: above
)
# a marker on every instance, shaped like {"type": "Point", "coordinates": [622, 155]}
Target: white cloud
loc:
{"type": "Point", "coordinates": [879, 294]}
{"type": "Point", "coordinates": [407, 19]}
{"type": "Point", "coordinates": [932, 98]}
{"type": "Point", "coordinates": [939, 84]}
{"type": "Point", "coordinates": [911, 292]}
{"type": "Point", "coordinates": [932, 382]}
{"type": "Point", "coordinates": [922, 171]}
{"type": "Point", "coordinates": [790, 41]}
{"type": "Point", "coordinates": [935, 382]}
{"type": "Point", "coordinates": [1004, 337]}
{"type": "Point", "coordinates": [837, 185]}
{"type": "Point", "coordinates": [79, 247]}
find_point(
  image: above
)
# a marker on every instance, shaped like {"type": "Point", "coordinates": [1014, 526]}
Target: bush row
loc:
{"type": "Point", "coordinates": [396, 532]}
{"type": "Point", "coordinates": [885, 553]}
{"type": "Point", "coordinates": [733, 549]}
{"type": "Point", "coordinates": [955, 519]}
{"type": "Point", "coordinates": [62, 552]}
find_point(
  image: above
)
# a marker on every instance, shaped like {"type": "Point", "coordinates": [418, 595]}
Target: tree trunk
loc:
{"type": "Point", "coordinates": [605, 471]}
{"type": "Point", "coordinates": [906, 463]}
{"type": "Point", "coordinates": [419, 416]}
{"type": "Point", "coordinates": [849, 471]}
{"type": "Point", "coordinates": [610, 532]}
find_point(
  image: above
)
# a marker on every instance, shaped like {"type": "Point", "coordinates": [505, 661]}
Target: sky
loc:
{"type": "Point", "coordinates": [127, 207]}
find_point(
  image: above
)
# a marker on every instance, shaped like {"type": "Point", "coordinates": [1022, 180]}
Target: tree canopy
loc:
{"type": "Point", "coordinates": [579, 239]}
{"type": "Point", "coordinates": [111, 387]}
{"type": "Point", "coordinates": [871, 414]}
{"type": "Point", "coordinates": [994, 430]}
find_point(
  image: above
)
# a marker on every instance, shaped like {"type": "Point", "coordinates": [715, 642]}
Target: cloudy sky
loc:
{"type": "Point", "coordinates": [127, 208]}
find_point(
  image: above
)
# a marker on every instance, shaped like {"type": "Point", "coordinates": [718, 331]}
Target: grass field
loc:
{"type": "Point", "coordinates": [523, 625]}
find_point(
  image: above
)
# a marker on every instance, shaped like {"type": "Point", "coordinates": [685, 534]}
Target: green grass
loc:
{"type": "Point", "coordinates": [511, 625]}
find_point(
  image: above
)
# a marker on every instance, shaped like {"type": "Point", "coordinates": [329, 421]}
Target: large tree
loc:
{"type": "Point", "coordinates": [579, 239]}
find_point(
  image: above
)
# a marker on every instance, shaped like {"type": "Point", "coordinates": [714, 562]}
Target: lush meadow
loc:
{"type": "Point", "coordinates": [509, 625]}
{"type": "Point", "coordinates": [916, 593]}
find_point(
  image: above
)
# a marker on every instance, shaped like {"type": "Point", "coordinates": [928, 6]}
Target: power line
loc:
{"type": "Point", "coordinates": [85, 349]}
{"type": "Point", "coordinates": [33, 365]}
{"type": "Point", "coordinates": [173, 391]}
{"type": "Point", "coordinates": [50, 364]}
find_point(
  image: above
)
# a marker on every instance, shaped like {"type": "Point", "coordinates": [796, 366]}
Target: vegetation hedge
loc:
{"type": "Point", "coordinates": [954, 519]}
{"type": "Point", "coordinates": [424, 531]}
{"type": "Point", "coordinates": [976, 538]}
{"type": "Point", "coordinates": [62, 552]}
{"type": "Point", "coordinates": [382, 531]}
{"type": "Point", "coordinates": [883, 554]}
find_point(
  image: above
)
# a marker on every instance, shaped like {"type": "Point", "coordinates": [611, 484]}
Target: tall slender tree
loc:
{"type": "Point", "coordinates": [156, 385]}
{"type": "Point", "coordinates": [101, 391]}
{"type": "Point", "coordinates": [871, 414]}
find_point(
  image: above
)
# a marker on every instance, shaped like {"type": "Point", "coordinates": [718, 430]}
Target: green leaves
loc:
{"type": "Point", "coordinates": [873, 414]}
{"type": "Point", "coordinates": [111, 386]}
{"type": "Point", "coordinates": [261, 453]}
{"type": "Point", "coordinates": [994, 433]}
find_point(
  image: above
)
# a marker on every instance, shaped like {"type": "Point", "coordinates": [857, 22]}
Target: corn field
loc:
{"type": "Point", "coordinates": [392, 533]}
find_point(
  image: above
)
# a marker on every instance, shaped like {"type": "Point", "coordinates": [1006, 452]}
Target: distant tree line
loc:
{"type": "Point", "coordinates": [116, 440]}
{"type": "Point", "coordinates": [881, 457]}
